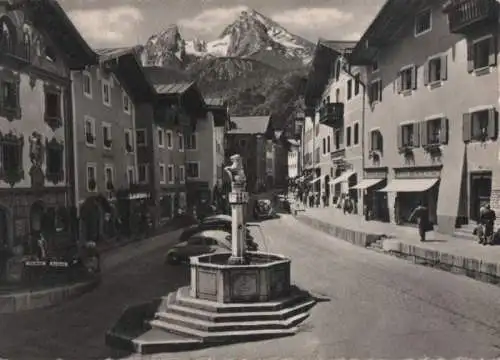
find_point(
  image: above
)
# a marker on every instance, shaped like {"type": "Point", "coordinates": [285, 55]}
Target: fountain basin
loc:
{"type": "Point", "coordinates": [266, 277]}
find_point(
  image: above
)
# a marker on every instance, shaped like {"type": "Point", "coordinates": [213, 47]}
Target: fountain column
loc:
{"type": "Point", "coordinates": [237, 199]}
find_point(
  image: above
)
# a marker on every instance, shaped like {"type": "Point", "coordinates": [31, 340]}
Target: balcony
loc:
{"type": "Point", "coordinates": [337, 155]}
{"type": "Point", "coordinates": [465, 15]}
{"type": "Point", "coordinates": [332, 114]}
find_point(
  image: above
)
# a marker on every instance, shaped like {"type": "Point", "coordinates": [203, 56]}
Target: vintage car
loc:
{"type": "Point", "coordinates": [216, 222]}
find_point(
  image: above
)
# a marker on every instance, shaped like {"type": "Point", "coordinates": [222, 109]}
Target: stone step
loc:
{"type": "Point", "coordinates": [210, 326]}
{"type": "Point", "coordinates": [465, 232]}
{"type": "Point", "coordinates": [200, 314]}
{"type": "Point", "coordinates": [183, 298]}
{"type": "Point", "coordinates": [223, 336]}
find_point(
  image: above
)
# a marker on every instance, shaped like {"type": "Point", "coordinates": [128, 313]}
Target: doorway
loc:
{"type": "Point", "coordinates": [480, 193]}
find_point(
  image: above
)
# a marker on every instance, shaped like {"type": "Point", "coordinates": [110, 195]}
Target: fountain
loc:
{"type": "Point", "coordinates": [233, 296]}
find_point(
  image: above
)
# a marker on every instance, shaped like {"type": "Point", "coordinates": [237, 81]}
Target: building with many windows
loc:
{"type": "Point", "coordinates": [39, 46]}
{"type": "Point", "coordinates": [432, 118]}
{"type": "Point", "coordinates": [104, 121]}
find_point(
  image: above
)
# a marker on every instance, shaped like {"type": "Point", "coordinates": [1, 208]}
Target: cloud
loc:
{"type": "Point", "coordinates": [213, 19]}
{"type": "Point", "coordinates": [321, 21]}
{"type": "Point", "coordinates": [108, 26]}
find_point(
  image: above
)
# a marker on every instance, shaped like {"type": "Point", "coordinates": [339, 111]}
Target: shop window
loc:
{"type": "Point", "coordinates": [407, 79]}
{"type": "Point", "coordinates": [481, 53]}
{"type": "Point", "coordinates": [55, 161]}
{"type": "Point", "coordinates": [375, 91]}
{"type": "Point", "coordinates": [11, 168]}
{"type": "Point", "coordinates": [89, 131]}
{"type": "Point", "coordinates": [53, 107]}
{"type": "Point", "coordinates": [423, 22]}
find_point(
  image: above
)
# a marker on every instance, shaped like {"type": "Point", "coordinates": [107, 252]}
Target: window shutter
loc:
{"type": "Point", "coordinates": [444, 67]}
{"type": "Point", "coordinates": [466, 127]}
{"type": "Point", "coordinates": [427, 66]}
{"type": "Point", "coordinates": [444, 131]}
{"type": "Point", "coordinates": [379, 84]}
{"type": "Point", "coordinates": [423, 133]}
{"type": "Point", "coordinates": [414, 74]}
{"type": "Point", "coordinates": [398, 82]}
{"type": "Point", "coordinates": [400, 137]}
{"type": "Point", "coordinates": [470, 57]}
{"type": "Point", "coordinates": [492, 124]}
{"type": "Point", "coordinates": [492, 60]}
{"type": "Point", "coordinates": [416, 134]}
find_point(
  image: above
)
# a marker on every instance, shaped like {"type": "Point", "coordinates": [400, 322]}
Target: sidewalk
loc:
{"type": "Point", "coordinates": [23, 299]}
{"type": "Point", "coordinates": [443, 251]}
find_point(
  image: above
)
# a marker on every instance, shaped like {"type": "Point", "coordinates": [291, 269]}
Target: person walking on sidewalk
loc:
{"type": "Point", "coordinates": [421, 214]}
{"type": "Point", "coordinates": [487, 218]}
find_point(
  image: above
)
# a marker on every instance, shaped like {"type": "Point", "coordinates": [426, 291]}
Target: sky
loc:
{"type": "Point", "coordinates": [110, 23]}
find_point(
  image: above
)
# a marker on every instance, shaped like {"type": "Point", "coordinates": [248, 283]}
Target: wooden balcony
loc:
{"type": "Point", "coordinates": [332, 114]}
{"type": "Point", "coordinates": [466, 15]}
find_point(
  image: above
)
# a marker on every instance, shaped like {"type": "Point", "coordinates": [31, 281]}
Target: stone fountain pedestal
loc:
{"type": "Point", "coordinates": [232, 297]}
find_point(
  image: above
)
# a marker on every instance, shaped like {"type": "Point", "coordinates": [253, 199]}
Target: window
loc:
{"type": "Point", "coordinates": [191, 142]}
{"type": "Point", "coordinates": [481, 53]}
{"type": "Point", "coordinates": [375, 66]}
{"type": "Point", "coordinates": [107, 140]}
{"type": "Point", "coordinates": [407, 79]}
{"type": "Point", "coordinates": [170, 174]}
{"type": "Point", "coordinates": [376, 140]}
{"type": "Point", "coordinates": [337, 70]}
{"type": "Point", "coordinates": [480, 125]}
{"type": "Point", "coordinates": [182, 174]}
{"type": "Point", "coordinates": [11, 148]}
{"type": "Point", "coordinates": [87, 84]}
{"type": "Point", "coordinates": [163, 174]}
{"type": "Point", "coordinates": [143, 173]}
{"type": "Point", "coordinates": [375, 91]}
{"type": "Point", "coordinates": [129, 147]}
{"type": "Point", "coordinates": [328, 143]}
{"type": "Point", "coordinates": [7, 31]}
{"type": "Point", "coordinates": [357, 83]}
{"type": "Point", "coordinates": [408, 136]}
{"type": "Point", "coordinates": [53, 109]}
{"type": "Point", "coordinates": [180, 139]}
{"type": "Point", "coordinates": [435, 70]}
{"type": "Point", "coordinates": [349, 89]}
{"type": "Point", "coordinates": [89, 131]}
{"type": "Point", "coordinates": [10, 96]}
{"type": "Point", "coordinates": [338, 139]}
{"type": "Point", "coordinates": [126, 103]}
{"type": "Point", "coordinates": [324, 145]}
{"type": "Point", "coordinates": [348, 136]}
{"type": "Point", "coordinates": [130, 175]}
{"type": "Point", "coordinates": [27, 45]}
{"type": "Point", "coordinates": [356, 134]}
{"type": "Point", "coordinates": [161, 138]}
{"type": "Point", "coordinates": [423, 22]}
{"type": "Point", "coordinates": [141, 137]}
{"type": "Point", "coordinates": [433, 131]}
{"type": "Point", "coordinates": [55, 161]}
{"type": "Point", "coordinates": [106, 93]}
{"type": "Point", "coordinates": [50, 53]}
{"type": "Point", "coordinates": [193, 170]}
{"type": "Point", "coordinates": [108, 177]}
{"type": "Point", "coordinates": [170, 144]}
{"type": "Point", "coordinates": [91, 178]}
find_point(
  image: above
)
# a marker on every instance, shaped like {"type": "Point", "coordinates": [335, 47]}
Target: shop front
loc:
{"type": "Point", "coordinates": [375, 202]}
{"type": "Point", "coordinates": [410, 188]}
{"type": "Point", "coordinates": [341, 186]}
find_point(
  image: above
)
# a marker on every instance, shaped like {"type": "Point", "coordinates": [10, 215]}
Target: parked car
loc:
{"type": "Point", "coordinates": [217, 222]}
{"type": "Point", "coordinates": [203, 242]}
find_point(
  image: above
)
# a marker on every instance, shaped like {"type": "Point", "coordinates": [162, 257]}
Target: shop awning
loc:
{"type": "Point", "coordinates": [366, 183]}
{"type": "Point", "coordinates": [343, 177]}
{"type": "Point", "coordinates": [410, 185]}
{"type": "Point", "coordinates": [317, 179]}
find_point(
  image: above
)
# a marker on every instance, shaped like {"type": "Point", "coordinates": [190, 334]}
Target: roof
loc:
{"type": "Point", "coordinates": [50, 16]}
{"type": "Point", "coordinates": [114, 53]}
{"type": "Point", "coordinates": [173, 89]}
{"type": "Point", "coordinates": [165, 74]}
{"type": "Point", "coordinates": [385, 26]}
{"type": "Point", "coordinates": [216, 102]}
{"type": "Point", "coordinates": [339, 46]}
{"type": "Point", "coordinates": [250, 124]}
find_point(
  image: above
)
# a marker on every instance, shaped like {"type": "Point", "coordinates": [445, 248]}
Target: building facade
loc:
{"type": "Point", "coordinates": [293, 159]}
{"type": "Point", "coordinates": [104, 123]}
{"type": "Point", "coordinates": [248, 137]}
{"type": "Point", "coordinates": [431, 137]}
{"type": "Point", "coordinates": [38, 48]}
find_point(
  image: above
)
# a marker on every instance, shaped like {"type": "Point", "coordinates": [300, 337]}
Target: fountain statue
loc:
{"type": "Point", "coordinates": [233, 296]}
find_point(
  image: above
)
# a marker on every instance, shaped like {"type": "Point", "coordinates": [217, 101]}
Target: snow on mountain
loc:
{"type": "Point", "coordinates": [252, 35]}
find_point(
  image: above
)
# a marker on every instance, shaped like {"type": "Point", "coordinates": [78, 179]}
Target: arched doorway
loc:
{"type": "Point", "coordinates": [327, 190]}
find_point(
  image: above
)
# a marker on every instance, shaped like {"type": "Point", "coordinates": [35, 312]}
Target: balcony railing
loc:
{"type": "Point", "coordinates": [337, 155]}
{"type": "Point", "coordinates": [331, 114]}
{"type": "Point", "coordinates": [466, 14]}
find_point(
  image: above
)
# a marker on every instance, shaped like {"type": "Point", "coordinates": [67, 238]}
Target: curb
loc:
{"type": "Point", "coordinates": [471, 267]}
{"type": "Point", "coordinates": [16, 302]}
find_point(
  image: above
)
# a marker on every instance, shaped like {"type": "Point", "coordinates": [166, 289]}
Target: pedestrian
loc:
{"type": "Point", "coordinates": [421, 214]}
{"type": "Point", "coordinates": [487, 218]}
{"type": "Point", "coordinates": [323, 199]}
